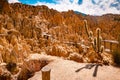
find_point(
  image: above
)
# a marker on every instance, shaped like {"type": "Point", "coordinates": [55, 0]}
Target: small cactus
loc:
{"type": "Point", "coordinates": [90, 34]}
{"type": "Point", "coordinates": [102, 49]}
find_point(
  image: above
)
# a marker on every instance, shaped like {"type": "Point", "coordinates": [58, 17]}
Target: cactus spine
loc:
{"type": "Point", "coordinates": [96, 41]}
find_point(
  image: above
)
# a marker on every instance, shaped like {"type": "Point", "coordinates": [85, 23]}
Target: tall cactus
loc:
{"type": "Point", "coordinates": [86, 27]}
{"type": "Point", "coordinates": [96, 41]}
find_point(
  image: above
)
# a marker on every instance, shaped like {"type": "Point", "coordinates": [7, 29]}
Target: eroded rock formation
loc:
{"type": "Point", "coordinates": [26, 29]}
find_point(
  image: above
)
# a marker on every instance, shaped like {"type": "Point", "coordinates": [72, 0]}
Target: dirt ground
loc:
{"type": "Point", "coordinates": [69, 70]}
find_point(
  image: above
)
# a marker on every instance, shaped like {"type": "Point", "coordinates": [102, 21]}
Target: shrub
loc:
{"type": "Point", "coordinates": [5, 76]}
{"type": "Point", "coordinates": [116, 53]}
{"type": "Point", "coordinates": [11, 66]}
{"type": "Point", "coordinates": [116, 56]}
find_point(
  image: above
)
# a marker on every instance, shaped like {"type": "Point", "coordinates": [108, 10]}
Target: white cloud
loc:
{"type": "Point", "coordinates": [96, 1]}
{"type": "Point", "coordinates": [101, 6]}
{"type": "Point", "coordinates": [13, 1]}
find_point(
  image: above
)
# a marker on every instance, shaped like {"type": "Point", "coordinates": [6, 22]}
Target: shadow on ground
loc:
{"type": "Point", "coordinates": [90, 66]}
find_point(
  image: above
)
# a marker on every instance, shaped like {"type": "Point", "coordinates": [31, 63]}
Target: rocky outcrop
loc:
{"type": "Point", "coordinates": [26, 29]}
{"type": "Point", "coordinates": [4, 6]}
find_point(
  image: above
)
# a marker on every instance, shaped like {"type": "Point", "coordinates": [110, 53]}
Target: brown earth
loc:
{"type": "Point", "coordinates": [69, 70]}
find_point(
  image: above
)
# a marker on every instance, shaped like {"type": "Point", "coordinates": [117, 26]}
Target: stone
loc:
{"type": "Point", "coordinates": [75, 57]}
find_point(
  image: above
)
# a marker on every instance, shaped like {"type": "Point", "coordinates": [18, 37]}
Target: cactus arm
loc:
{"type": "Point", "coordinates": [98, 39]}
{"type": "Point", "coordinates": [95, 44]}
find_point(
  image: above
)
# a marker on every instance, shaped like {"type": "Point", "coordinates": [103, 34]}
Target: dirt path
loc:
{"type": "Point", "coordinates": [70, 70]}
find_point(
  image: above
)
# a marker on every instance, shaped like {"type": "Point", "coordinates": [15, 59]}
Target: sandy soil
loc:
{"type": "Point", "coordinates": [69, 70]}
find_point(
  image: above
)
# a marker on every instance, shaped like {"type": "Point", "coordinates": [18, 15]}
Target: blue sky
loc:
{"type": "Point", "coordinates": [35, 1]}
{"type": "Point", "coordinates": [92, 7]}
{"type": "Point", "coordinates": [44, 1]}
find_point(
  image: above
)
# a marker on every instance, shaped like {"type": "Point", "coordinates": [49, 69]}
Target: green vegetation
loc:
{"type": "Point", "coordinates": [97, 40]}
{"type": "Point", "coordinates": [116, 53]}
{"type": "Point", "coordinates": [116, 56]}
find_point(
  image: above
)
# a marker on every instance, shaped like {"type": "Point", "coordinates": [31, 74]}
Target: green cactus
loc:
{"type": "Point", "coordinates": [91, 36]}
{"type": "Point", "coordinates": [96, 41]}
{"type": "Point", "coordinates": [102, 49]}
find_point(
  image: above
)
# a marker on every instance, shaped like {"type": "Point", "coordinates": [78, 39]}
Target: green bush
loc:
{"type": "Point", "coordinates": [116, 56]}
{"type": "Point", "coordinates": [116, 53]}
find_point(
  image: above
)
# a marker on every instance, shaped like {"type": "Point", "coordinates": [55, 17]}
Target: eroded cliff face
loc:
{"type": "Point", "coordinates": [26, 29]}
{"type": "Point", "coordinates": [4, 6]}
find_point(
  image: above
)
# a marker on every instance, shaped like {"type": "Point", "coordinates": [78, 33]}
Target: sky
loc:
{"type": "Point", "coordinates": [91, 7]}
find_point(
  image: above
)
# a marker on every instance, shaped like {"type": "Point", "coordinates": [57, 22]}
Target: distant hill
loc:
{"type": "Point", "coordinates": [77, 12]}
